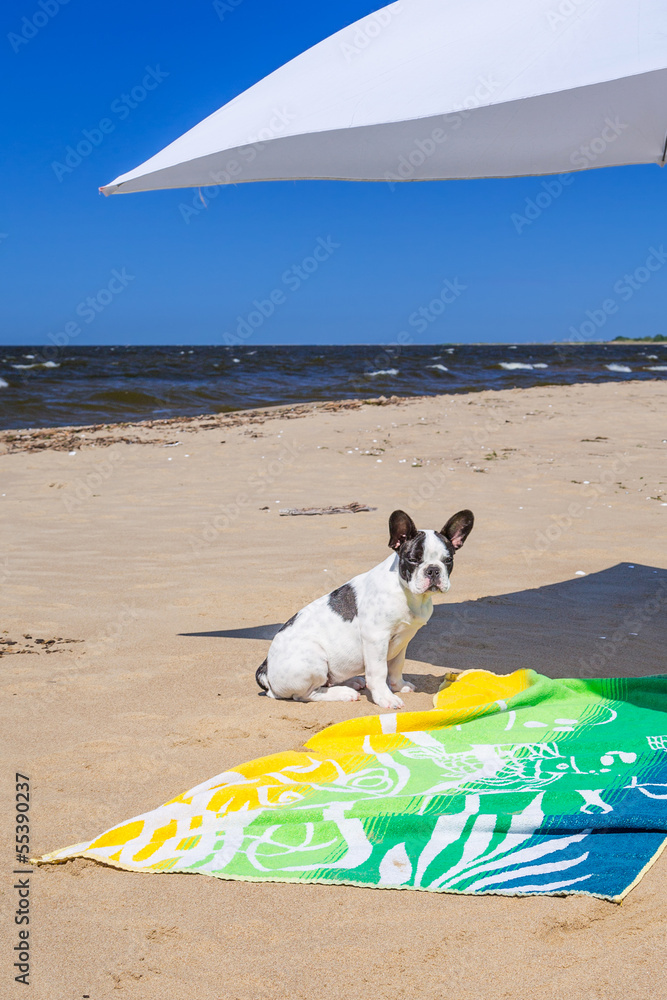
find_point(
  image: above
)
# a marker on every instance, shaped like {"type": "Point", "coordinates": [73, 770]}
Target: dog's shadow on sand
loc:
{"type": "Point", "coordinates": [610, 623]}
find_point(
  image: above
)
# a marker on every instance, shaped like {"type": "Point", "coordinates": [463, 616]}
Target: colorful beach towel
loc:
{"type": "Point", "coordinates": [514, 785]}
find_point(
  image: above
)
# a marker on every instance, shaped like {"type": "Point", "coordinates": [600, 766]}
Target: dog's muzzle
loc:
{"type": "Point", "coordinates": [434, 578]}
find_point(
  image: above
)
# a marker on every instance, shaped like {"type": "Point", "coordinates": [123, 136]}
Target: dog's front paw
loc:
{"type": "Point", "coordinates": [403, 686]}
{"type": "Point", "coordinates": [388, 700]}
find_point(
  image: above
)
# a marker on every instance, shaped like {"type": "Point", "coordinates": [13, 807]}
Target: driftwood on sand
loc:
{"type": "Point", "coordinates": [349, 508]}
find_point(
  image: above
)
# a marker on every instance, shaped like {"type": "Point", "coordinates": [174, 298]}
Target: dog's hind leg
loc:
{"type": "Point", "coordinates": [300, 673]}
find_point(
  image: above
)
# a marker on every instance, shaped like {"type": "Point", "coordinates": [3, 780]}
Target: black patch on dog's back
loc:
{"type": "Point", "coordinates": [344, 602]}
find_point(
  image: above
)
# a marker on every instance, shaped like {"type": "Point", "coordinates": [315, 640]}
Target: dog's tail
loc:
{"type": "Point", "coordinates": [260, 676]}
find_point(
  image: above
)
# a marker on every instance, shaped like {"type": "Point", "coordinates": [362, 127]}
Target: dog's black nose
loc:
{"type": "Point", "coordinates": [432, 572]}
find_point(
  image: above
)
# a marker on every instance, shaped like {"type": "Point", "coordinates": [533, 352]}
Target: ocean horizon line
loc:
{"type": "Point", "coordinates": [35, 345]}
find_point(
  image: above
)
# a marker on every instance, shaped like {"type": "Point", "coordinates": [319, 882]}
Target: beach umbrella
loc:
{"type": "Point", "coordinates": [442, 89]}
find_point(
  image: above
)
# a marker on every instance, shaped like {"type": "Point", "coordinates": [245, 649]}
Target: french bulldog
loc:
{"type": "Point", "coordinates": [364, 627]}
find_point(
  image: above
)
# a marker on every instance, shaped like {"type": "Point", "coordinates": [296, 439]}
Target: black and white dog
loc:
{"type": "Point", "coordinates": [364, 626]}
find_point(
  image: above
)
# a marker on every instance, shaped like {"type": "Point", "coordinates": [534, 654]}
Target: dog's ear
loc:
{"type": "Point", "coordinates": [401, 528]}
{"type": "Point", "coordinates": [459, 527]}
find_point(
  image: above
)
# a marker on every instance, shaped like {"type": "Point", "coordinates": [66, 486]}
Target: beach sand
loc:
{"type": "Point", "coordinates": [156, 572]}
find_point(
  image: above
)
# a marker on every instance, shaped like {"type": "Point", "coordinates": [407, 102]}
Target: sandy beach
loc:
{"type": "Point", "coordinates": [145, 568]}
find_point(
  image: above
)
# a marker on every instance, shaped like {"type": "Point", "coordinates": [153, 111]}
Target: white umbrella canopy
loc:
{"type": "Point", "coordinates": [442, 89]}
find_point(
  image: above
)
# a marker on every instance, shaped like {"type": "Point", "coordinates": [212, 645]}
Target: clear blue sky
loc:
{"type": "Point", "coordinates": [60, 240]}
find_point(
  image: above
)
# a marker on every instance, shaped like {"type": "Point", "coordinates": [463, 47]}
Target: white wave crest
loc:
{"type": "Point", "coordinates": [657, 368]}
{"type": "Point", "coordinates": [441, 368]}
{"type": "Point", "coordinates": [383, 371]}
{"type": "Point", "coordinates": [618, 368]}
{"type": "Point", "coordinates": [512, 365]}
{"type": "Point", "coordinates": [38, 364]}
